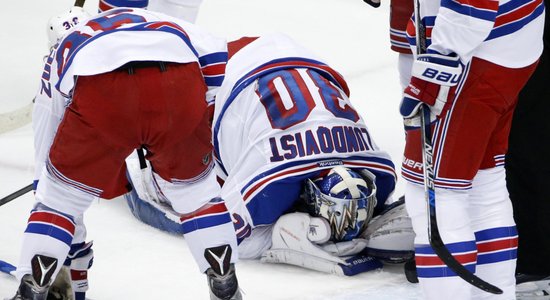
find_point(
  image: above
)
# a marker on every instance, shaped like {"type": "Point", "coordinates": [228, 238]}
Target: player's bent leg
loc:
{"type": "Point", "coordinates": [210, 234]}
{"type": "Point", "coordinates": [46, 242]}
{"type": "Point", "coordinates": [209, 226]}
{"type": "Point", "coordinates": [495, 230]}
{"type": "Point", "coordinates": [436, 279]}
{"type": "Point", "coordinates": [50, 231]}
{"type": "Point", "coordinates": [72, 280]}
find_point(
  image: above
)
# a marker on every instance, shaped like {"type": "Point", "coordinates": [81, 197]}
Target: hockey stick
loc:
{"type": "Point", "coordinates": [429, 186]}
{"type": "Point", "coordinates": [16, 194]}
{"type": "Point", "coordinates": [15, 119]}
{"type": "Point", "coordinates": [79, 3]}
{"type": "Point", "coordinates": [7, 268]}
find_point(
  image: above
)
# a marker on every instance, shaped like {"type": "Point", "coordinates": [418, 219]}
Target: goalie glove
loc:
{"type": "Point", "coordinates": [297, 240]}
{"type": "Point", "coordinates": [390, 236]}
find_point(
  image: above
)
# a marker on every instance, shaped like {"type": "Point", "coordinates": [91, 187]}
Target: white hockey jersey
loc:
{"type": "Point", "coordinates": [282, 115]}
{"type": "Point", "coordinates": [505, 32]}
{"type": "Point", "coordinates": [108, 41]}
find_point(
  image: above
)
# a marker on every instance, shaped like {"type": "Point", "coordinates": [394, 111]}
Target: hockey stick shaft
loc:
{"type": "Point", "coordinates": [79, 3]}
{"type": "Point", "coordinates": [436, 242]}
{"type": "Point", "coordinates": [7, 268]}
{"type": "Point", "coordinates": [16, 194]}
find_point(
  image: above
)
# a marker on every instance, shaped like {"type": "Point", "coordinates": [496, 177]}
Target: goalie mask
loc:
{"type": "Point", "coordinates": [345, 198]}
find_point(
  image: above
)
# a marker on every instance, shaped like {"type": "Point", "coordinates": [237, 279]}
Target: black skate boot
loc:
{"type": "Point", "coordinates": [222, 279]}
{"type": "Point", "coordinates": [35, 286]}
{"type": "Point", "coordinates": [532, 287]}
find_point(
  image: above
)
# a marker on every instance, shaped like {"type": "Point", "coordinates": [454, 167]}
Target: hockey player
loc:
{"type": "Point", "coordinates": [287, 139]}
{"type": "Point", "coordinates": [163, 73]}
{"type": "Point", "coordinates": [479, 55]}
{"type": "Point", "coordinates": [72, 279]}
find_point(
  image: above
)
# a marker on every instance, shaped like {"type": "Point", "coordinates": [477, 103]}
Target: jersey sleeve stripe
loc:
{"type": "Point", "coordinates": [214, 80]}
{"type": "Point", "coordinates": [485, 10]}
{"type": "Point", "coordinates": [517, 14]}
{"type": "Point", "coordinates": [516, 25]}
{"type": "Point", "coordinates": [213, 59]}
{"type": "Point", "coordinates": [214, 69]}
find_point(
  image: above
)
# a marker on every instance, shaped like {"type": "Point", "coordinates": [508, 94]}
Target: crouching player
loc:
{"type": "Point", "coordinates": [81, 146]}
{"type": "Point", "coordinates": [300, 173]}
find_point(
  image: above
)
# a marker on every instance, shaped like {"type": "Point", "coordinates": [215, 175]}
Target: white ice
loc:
{"type": "Point", "coordinates": [134, 261]}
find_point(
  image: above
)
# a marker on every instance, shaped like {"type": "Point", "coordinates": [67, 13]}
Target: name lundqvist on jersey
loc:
{"type": "Point", "coordinates": [339, 139]}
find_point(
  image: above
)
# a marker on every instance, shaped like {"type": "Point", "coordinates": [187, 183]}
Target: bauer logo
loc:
{"type": "Point", "coordinates": [440, 76]}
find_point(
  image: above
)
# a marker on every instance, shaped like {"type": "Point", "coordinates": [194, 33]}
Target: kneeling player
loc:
{"type": "Point", "coordinates": [287, 139]}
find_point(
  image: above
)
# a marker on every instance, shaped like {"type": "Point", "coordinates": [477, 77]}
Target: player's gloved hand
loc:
{"type": "Point", "coordinates": [433, 78]}
{"type": "Point", "coordinates": [390, 236]}
{"type": "Point", "coordinates": [373, 3]}
{"type": "Point", "coordinates": [298, 238]}
{"type": "Point", "coordinates": [345, 248]}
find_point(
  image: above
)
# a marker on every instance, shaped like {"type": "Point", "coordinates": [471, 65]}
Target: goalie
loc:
{"type": "Point", "coordinates": [300, 173]}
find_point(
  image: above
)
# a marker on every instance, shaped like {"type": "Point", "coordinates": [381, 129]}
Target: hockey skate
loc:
{"type": "Point", "coordinates": [222, 279]}
{"type": "Point", "coordinates": [532, 287]}
{"type": "Point", "coordinates": [35, 286]}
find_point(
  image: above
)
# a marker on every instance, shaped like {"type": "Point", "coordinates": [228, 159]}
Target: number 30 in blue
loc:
{"type": "Point", "coordinates": [288, 101]}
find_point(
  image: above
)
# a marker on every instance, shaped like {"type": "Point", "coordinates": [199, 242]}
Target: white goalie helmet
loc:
{"type": "Point", "coordinates": [345, 198]}
{"type": "Point", "coordinates": [60, 24]}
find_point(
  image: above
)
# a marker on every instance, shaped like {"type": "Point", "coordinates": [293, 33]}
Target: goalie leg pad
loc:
{"type": "Point", "coordinates": [296, 239]}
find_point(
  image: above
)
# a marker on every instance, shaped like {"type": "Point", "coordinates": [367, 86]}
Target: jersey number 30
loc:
{"type": "Point", "coordinates": [288, 100]}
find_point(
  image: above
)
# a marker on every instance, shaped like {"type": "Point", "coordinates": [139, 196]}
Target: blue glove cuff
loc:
{"type": "Point", "coordinates": [409, 107]}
